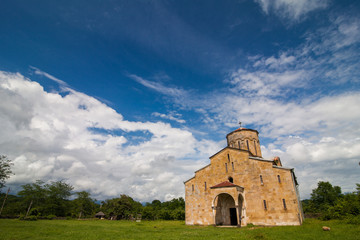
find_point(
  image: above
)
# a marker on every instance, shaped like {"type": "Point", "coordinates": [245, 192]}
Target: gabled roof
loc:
{"type": "Point", "coordinates": [225, 184]}
{"type": "Point", "coordinates": [227, 147]}
{"type": "Point", "coordinates": [189, 179]}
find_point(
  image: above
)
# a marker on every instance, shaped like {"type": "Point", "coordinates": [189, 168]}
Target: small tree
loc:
{"type": "Point", "coordinates": [5, 170]}
{"type": "Point", "coordinates": [84, 205]}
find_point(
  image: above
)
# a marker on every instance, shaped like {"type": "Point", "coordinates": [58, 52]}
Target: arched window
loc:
{"type": "Point", "coordinates": [247, 144]}
{"type": "Point", "coordinates": [231, 179]}
{"type": "Point", "coordinates": [226, 167]}
{"type": "Point", "coordinates": [279, 178]}
{"type": "Point", "coordinates": [261, 180]}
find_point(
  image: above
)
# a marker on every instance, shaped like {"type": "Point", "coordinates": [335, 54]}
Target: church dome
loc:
{"type": "Point", "coordinates": [245, 139]}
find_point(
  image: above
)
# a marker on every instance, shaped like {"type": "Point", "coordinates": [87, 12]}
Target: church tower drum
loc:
{"type": "Point", "coordinates": [245, 139]}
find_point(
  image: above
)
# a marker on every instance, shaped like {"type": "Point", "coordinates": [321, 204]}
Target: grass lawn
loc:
{"type": "Point", "coordinates": [104, 229]}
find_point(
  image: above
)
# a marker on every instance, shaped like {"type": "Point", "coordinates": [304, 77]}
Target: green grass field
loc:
{"type": "Point", "coordinates": [104, 229]}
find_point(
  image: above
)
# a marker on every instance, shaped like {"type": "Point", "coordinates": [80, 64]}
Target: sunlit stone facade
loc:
{"type": "Point", "coordinates": [239, 187]}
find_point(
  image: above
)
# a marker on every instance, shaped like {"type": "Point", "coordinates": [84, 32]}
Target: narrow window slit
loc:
{"type": "Point", "coordinates": [284, 203]}
{"type": "Point", "coordinates": [255, 147]}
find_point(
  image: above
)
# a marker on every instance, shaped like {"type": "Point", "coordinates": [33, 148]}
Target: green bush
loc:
{"type": "Point", "coordinates": [353, 220]}
{"type": "Point", "coordinates": [250, 225]}
{"type": "Point", "coordinates": [50, 217]}
{"type": "Point", "coordinates": [34, 212]}
{"type": "Point", "coordinates": [28, 218]}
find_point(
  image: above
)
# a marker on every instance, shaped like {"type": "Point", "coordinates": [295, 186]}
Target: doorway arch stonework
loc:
{"type": "Point", "coordinates": [227, 201]}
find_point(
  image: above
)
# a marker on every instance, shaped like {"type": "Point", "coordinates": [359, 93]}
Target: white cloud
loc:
{"type": "Point", "coordinates": [156, 86]}
{"type": "Point", "coordinates": [171, 116]}
{"type": "Point", "coordinates": [292, 9]}
{"type": "Point", "coordinates": [53, 137]}
{"type": "Point", "coordinates": [263, 83]}
{"type": "Point", "coordinates": [49, 76]}
{"type": "Point", "coordinates": [334, 160]}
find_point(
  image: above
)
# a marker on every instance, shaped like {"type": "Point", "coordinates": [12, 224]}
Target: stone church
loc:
{"type": "Point", "coordinates": [239, 187]}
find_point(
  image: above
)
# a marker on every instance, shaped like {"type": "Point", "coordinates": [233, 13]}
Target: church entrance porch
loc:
{"type": "Point", "coordinates": [225, 210]}
{"type": "Point", "coordinates": [228, 205]}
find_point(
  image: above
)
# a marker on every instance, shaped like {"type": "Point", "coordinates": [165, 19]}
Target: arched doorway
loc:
{"type": "Point", "coordinates": [225, 210]}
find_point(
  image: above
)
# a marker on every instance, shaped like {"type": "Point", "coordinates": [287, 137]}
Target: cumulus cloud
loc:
{"type": "Point", "coordinates": [292, 9]}
{"type": "Point", "coordinates": [326, 159]}
{"type": "Point", "coordinates": [72, 137]}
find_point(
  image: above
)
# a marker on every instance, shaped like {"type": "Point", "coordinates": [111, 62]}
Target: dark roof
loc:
{"type": "Point", "coordinates": [224, 184]}
{"type": "Point", "coordinates": [100, 214]}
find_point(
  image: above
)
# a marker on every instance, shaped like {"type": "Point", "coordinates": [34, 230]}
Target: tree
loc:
{"type": "Point", "coordinates": [5, 170]}
{"type": "Point", "coordinates": [58, 194]}
{"type": "Point", "coordinates": [35, 193]}
{"type": "Point", "coordinates": [83, 204]}
{"type": "Point", "coordinates": [122, 207]}
{"type": "Point", "coordinates": [48, 199]}
{"type": "Point", "coordinates": [325, 195]}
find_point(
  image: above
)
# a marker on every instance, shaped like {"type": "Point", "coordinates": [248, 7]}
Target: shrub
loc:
{"type": "Point", "coordinates": [31, 218]}
{"type": "Point", "coordinates": [50, 217]}
{"type": "Point", "coordinates": [34, 212]}
{"type": "Point", "coordinates": [353, 220]}
{"type": "Point", "coordinates": [250, 225]}
{"type": "Point", "coordinates": [28, 218]}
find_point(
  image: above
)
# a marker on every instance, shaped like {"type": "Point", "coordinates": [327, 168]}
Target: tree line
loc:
{"type": "Point", "coordinates": [328, 202]}
{"type": "Point", "coordinates": [50, 200]}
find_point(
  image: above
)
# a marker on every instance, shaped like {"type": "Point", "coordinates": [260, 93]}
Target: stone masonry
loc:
{"type": "Point", "coordinates": [239, 187]}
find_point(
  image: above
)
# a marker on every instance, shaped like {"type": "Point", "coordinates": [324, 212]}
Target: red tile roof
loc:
{"type": "Point", "coordinates": [224, 184]}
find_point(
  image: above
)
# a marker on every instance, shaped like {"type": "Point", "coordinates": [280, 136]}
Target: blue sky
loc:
{"type": "Point", "coordinates": [134, 96]}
